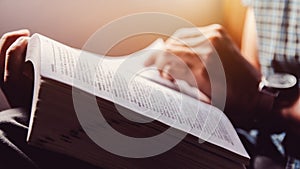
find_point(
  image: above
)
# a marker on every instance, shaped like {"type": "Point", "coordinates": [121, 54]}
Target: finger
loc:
{"type": "Point", "coordinates": [151, 60]}
{"type": "Point", "coordinates": [180, 51]}
{"type": "Point", "coordinates": [201, 40]}
{"type": "Point", "coordinates": [162, 65]}
{"type": "Point", "coordinates": [166, 73]}
{"type": "Point", "coordinates": [163, 60]}
{"type": "Point", "coordinates": [190, 57]}
{"type": "Point", "coordinates": [174, 69]}
{"type": "Point", "coordinates": [187, 69]}
{"type": "Point", "coordinates": [203, 97]}
{"type": "Point", "coordinates": [196, 35]}
{"type": "Point", "coordinates": [194, 32]}
{"type": "Point", "coordinates": [188, 32]}
{"type": "Point", "coordinates": [6, 41]}
{"type": "Point", "coordinates": [184, 33]}
{"type": "Point", "coordinates": [15, 59]}
{"type": "Point", "coordinates": [188, 42]}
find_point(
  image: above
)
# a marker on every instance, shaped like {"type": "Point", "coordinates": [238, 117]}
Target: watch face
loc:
{"type": "Point", "coordinates": [281, 81]}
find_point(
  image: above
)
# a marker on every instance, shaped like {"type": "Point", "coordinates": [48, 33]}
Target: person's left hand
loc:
{"type": "Point", "coordinates": [15, 84]}
{"type": "Point", "coordinates": [181, 56]}
{"type": "Point", "coordinates": [202, 57]}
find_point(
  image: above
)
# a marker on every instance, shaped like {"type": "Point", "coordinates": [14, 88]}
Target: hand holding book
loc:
{"type": "Point", "coordinates": [53, 65]}
{"type": "Point", "coordinates": [14, 73]}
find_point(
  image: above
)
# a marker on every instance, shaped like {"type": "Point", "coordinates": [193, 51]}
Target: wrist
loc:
{"type": "Point", "coordinates": [277, 91]}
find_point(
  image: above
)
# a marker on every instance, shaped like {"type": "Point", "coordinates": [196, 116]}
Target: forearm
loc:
{"type": "Point", "coordinates": [249, 47]}
{"type": "Point", "coordinates": [245, 104]}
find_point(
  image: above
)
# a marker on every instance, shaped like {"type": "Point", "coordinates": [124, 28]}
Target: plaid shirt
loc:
{"type": "Point", "coordinates": [278, 28]}
{"type": "Point", "coordinates": [292, 163]}
{"type": "Point", "coordinates": [278, 31]}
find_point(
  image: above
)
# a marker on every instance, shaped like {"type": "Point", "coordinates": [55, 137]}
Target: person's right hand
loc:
{"type": "Point", "coordinates": [16, 85]}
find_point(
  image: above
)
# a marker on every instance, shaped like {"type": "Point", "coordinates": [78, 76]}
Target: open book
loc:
{"type": "Point", "coordinates": [73, 88]}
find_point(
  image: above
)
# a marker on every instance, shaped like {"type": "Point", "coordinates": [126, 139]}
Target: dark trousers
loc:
{"type": "Point", "coordinates": [15, 153]}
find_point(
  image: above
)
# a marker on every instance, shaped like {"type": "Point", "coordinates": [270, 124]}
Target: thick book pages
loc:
{"type": "Point", "coordinates": [124, 91]}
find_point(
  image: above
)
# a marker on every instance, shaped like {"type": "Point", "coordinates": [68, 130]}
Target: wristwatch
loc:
{"type": "Point", "coordinates": [283, 87]}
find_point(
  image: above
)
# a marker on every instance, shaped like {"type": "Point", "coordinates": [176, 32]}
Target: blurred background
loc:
{"type": "Point", "coordinates": [72, 22]}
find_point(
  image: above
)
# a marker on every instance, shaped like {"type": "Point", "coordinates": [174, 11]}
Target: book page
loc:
{"type": "Point", "coordinates": [113, 79]}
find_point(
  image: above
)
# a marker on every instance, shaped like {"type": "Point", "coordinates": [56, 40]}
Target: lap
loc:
{"type": "Point", "coordinates": [16, 153]}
